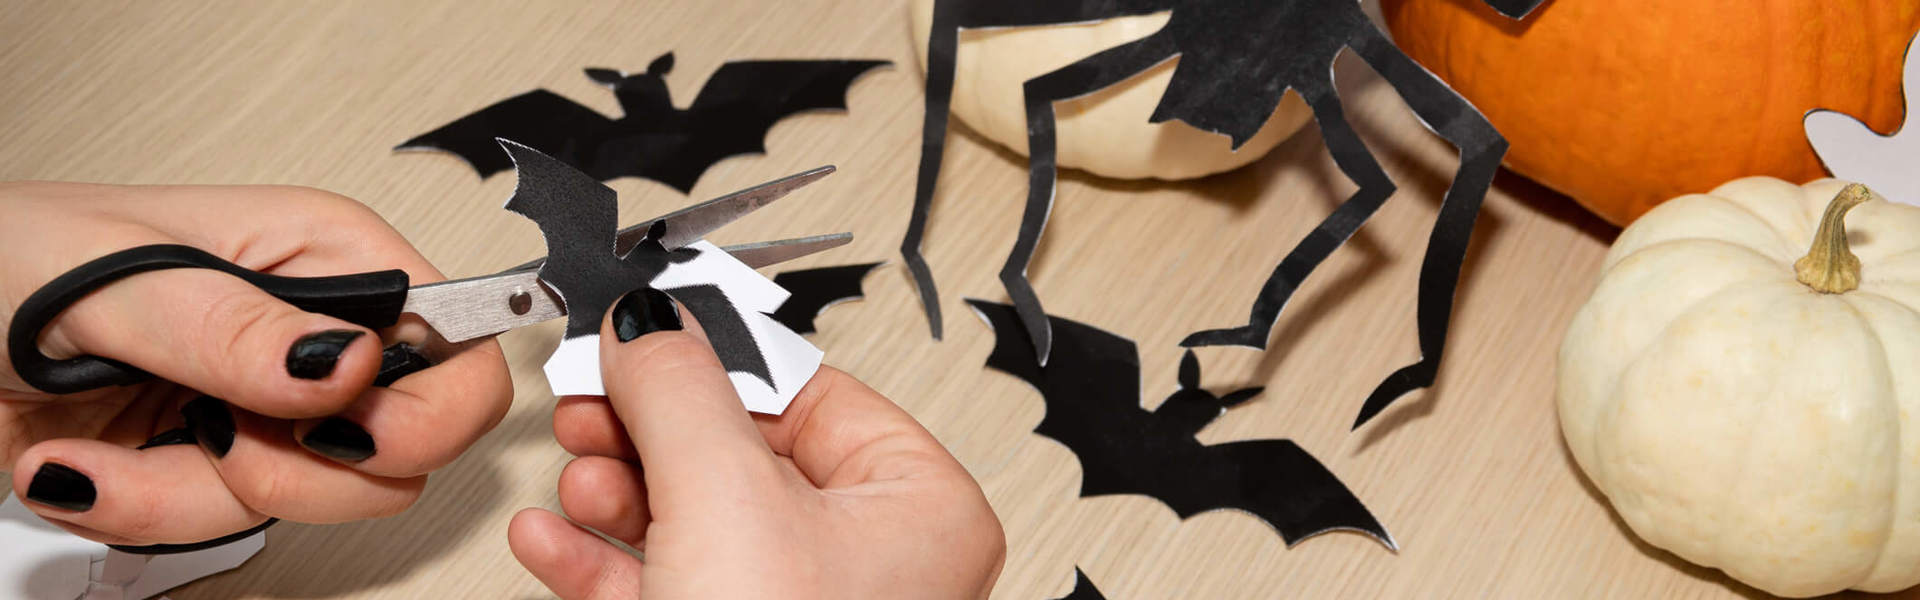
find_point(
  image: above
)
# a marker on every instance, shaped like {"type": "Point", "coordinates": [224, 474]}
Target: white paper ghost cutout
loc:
{"type": "Point", "coordinates": [41, 562]}
{"type": "Point", "coordinates": [1889, 164]}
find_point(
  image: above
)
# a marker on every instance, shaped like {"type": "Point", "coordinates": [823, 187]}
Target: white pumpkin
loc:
{"type": "Point", "coordinates": [1106, 132]}
{"type": "Point", "coordinates": [1739, 417]}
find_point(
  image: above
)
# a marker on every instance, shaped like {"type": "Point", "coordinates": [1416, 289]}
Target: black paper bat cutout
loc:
{"type": "Point", "coordinates": [1083, 588]}
{"type": "Point", "coordinates": [654, 140]}
{"type": "Point", "coordinates": [816, 289]}
{"type": "Point", "coordinates": [1092, 392]}
{"type": "Point", "coordinates": [579, 218]}
{"type": "Point", "coordinates": [1237, 59]}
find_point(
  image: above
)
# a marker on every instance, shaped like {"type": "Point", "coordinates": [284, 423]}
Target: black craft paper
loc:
{"type": "Point", "coordinates": [578, 216]}
{"type": "Point", "coordinates": [721, 322]}
{"type": "Point", "coordinates": [654, 140]}
{"type": "Point", "coordinates": [816, 289]}
{"type": "Point", "coordinates": [1237, 59]}
{"type": "Point", "coordinates": [1083, 588]}
{"type": "Point", "coordinates": [1092, 392]}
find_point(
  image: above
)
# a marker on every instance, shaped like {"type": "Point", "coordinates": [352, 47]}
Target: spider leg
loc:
{"type": "Point", "coordinates": [943, 46]}
{"type": "Point", "coordinates": [1350, 154]}
{"type": "Point", "coordinates": [942, 49]}
{"type": "Point", "coordinates": [1089, 75]}
{"type": "Point", "coordinates": [1481, 149]}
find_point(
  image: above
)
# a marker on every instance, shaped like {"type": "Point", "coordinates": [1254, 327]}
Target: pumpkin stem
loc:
{"type": "Point", "coordinates": [1829, 266]}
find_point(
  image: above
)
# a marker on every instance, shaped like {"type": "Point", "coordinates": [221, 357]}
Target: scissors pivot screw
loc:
{"type": "Point", "coordinates": [520, 302]}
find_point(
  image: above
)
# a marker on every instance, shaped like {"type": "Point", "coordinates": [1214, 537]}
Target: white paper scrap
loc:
{"type": "Point", "coordinates": [574, 367]}
{"type": "Point", "coordinates": [39, 561]}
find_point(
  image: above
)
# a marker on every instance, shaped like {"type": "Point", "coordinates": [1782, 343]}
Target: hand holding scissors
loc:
{"type": "Point", "coordinates": [267, 351]}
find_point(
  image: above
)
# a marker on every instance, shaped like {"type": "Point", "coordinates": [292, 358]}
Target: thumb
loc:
{"type": "Point", "coordinates": [694, 437]}
{"type": "Point", "coordinates": [217, 334]}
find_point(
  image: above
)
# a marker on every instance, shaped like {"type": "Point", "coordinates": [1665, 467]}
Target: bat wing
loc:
{"type": "Point", "coordinates": [1097, 377]}
{"type": "Point", "coordinates": [1275, 480]}
{"type": "Point", "coordinates": [816, 289]}
{"type": "Point", "coordinates": [577, 216]}
{"type": "Point", "coordinates": [1083, 588]}
{"type": "Point", "coordinates": [744, 99]}
{"type": "Point", "coordinates": [540, 119]}
{"type": "Point", "coordinates": [1091, 385]}
{"type": "Point", "coordinates": [728, 331]}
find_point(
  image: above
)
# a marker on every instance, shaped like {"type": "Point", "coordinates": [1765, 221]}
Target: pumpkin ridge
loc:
{"type": "Point", "coordinates": [1612, 394]}
{"type": "Point", "coordinates": [1730, 492]}
{"type": "Point", "coordinates": [1640, 353]}
{"type": "Point", "coordinates": [1792, 248]}
{"type": "Point", "coordinates": [1908, 254]}
{"type": "Point", "coordinates": [1755, 252]}
{"type": "Point", "coordinates": [1900, 433]}
{"type": "Point", "coordinates": [1787, 247]}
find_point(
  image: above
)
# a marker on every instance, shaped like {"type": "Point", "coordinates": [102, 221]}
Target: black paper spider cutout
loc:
{"type": "Point", "coordinates": [1237, 59]}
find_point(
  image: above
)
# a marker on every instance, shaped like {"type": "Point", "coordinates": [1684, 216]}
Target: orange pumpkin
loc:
{"type": "Point", "coordinates": [1622, 104]}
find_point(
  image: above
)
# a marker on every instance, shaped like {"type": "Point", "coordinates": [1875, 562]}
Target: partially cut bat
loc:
{"type": "Point", "coordinates": [579, 218]}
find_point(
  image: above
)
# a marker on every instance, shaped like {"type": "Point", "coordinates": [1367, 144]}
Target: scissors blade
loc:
{"type": "Point", "coordinates": [760, 254]}
{"type": "Point", "coordinates": [477, 307]}
{"type": "Point", "coordinates": [690, 224]}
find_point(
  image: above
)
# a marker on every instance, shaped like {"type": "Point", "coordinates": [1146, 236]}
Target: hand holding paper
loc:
{"type": "Point", "coordinates": [730, 505]}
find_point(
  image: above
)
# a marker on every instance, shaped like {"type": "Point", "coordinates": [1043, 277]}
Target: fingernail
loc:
{"type": "Point", "coordinates": [399, 360]}
{"type": "Point", "coordinates": [339, 439]}
{"type": "Point", "coordinates": [211, 422]}
{"type": "Point", "coordinates": [313, 356]}
{"type": "Point", "coordinates": [60, 486]}
{"type": "Point", "coordinates": [644, 311]}
{"type": "Point", "coordinates": [178, 436]}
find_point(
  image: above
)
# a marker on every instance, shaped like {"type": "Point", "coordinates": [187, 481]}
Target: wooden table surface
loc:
{"type": "Point", "coordinates": [1471, 477]}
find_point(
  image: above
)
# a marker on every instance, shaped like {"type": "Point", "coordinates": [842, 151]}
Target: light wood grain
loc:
{"type": "Point", "coordinates": [1470, 477]}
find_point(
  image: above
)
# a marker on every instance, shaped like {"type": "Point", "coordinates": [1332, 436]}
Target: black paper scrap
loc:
{"type": "Point", "coordinates": [1083, 588]}
{"type": "Point", "coordinates": [722, 322]}
{"type": "Point", "coordinates": [653, 140]}
{"type": "Point", "coordinates": [1092, 392]}
{"type": "Point", "coordinates": [814, 290]}
{"type": "Point", "coordinates": [579, 218]}
{"type": "Point", "coordinates": [1237, 59]}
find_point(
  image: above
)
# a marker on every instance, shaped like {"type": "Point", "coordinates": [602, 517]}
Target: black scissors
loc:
{"type": "Point", "coordinates": [458, 310]}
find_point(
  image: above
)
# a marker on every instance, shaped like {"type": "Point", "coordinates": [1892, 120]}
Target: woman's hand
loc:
{"type": "Point", "coordinates": [279, 400]}
{"type": "Point", "coordinates": [843, 496]}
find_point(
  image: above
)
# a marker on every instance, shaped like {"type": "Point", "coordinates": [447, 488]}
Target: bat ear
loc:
{"type": "Point", "coordinates": [605, 76]}
{"type": "Point", "coordinates": [1235, 398]}
{"type": "Point", "coordinates": [661, 66]}
{"type": "Point", "coordinates": [1189, 372]}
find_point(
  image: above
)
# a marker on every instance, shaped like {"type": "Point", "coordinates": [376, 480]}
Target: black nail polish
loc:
{"type": "Point", "coordinates": [399, 360]}
{"type": "Point", "coordinates": [60, 486]}
{"type": "Point", "coordinates": [313, 356]}
{"type": "Point", "coordinates": [211, 422]}
{"type": "Point", "coordinates": [644, 311]}
{"type": "Point", "coordinates": [178, 436]}
{"type": "Point", "coordinates": [339, 439]}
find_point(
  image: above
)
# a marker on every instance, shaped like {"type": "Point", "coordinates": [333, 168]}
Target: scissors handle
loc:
{"type": "Point", "coordinates": [371, 300]}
